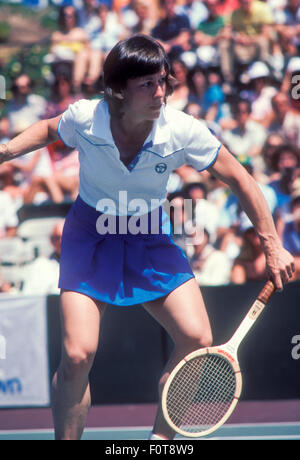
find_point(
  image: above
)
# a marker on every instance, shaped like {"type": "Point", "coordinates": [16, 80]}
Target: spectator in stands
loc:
{"type": "Point", "coordinates": [65, 175]}
{"type": "Point", "coordinates": [70, 38]}
{"type": "Point", "coordinates": [214, 96]}
{"type": "Point", "coordinates": [146, 16]}
{"type": "Point", "coordinates": [250, 265]}
{"type": "Point", "coordinates": [41, 276]}
{"type": "Point", "coordinates": [288, 26]}
{"type": "Point", "coordinates": [8, 216]}
{"type": "Point", "coordinates": [273, 141]}
{"type": "Point", "coordinates": [179, 98]}
{"type": "Point", "coordinates": [197, 83]}
{"type": "Point", "coordinates": [261, 92]}
{"type": "Point", "coordinates": [88, 64]}
{"type": "Point", "coordinates": [202, 209]}
{"type": "Point", "coordinates": [205, 90]}
{"type": "Point", "coordinates": [280, 107]}
{"type": "Point", "coordinates": [194, 109]}
{"type": "Point", "coordinates": [210, 266]}
{"type": "Point", "coordinates": [33, 178]}
{"type": "Point", "coordinates": [109, 33]}
{"type": "Point", "coordinates": [248, 137]}
{"type": "Point", "coordinates": [25, 107]}
{"type": "Point", "coordinates": [179, 217]}
{"type": "Point", "coordinates": [120, 5]}
{"type": "Point", "coordinates": [196, 11]}
{"type": "Point", "coordinates": [63, 161]}
{"type": "Point", "coordinates": [208, 31]}
{"type": "Point", "coordinates": [69, 42]}
{"type": "Point", "coordinates": [173, 31]}
{"type": "Point", "coordinates": [47, 174]}
{"type": "Point", "coordinates": [285, 161]}
{"type": "Point", "coordinates": [226, 7]}
{"type": "Point", "coordinates": [88, 18]}
{"type": "Point", "coordinates": [247, 37]}
{"type": "Point", "coordinates": [62, 95]}
{"type": "Point", "coordinates": [25, 171]}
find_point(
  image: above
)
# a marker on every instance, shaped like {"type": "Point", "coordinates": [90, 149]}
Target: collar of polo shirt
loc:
{"type": "Point", "coordinates": [100, 127]}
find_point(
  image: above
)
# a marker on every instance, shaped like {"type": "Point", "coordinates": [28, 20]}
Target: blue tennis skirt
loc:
{"type": "Point", "coordinates": [120, 267]}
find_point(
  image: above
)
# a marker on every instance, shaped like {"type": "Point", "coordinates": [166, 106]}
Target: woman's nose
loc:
{"type": "Point", "coordinates": [159, 90]}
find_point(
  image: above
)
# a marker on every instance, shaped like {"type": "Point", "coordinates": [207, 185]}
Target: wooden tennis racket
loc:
{"type": "Point", "coordinates": [204, 388]}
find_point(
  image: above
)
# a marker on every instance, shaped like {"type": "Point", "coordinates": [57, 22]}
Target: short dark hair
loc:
{"type": "Point", "coordinates": [295, 201]}
{"type": "Point", "coordinates": [62, 17]}
{"type": "Point", "coordinates": [291, 148]}
{"type": "Point", "coordinates": [238, 102]}
{"type": "Point", "coordinates": [189, 186]}
{"type": "Point", "coordinates": [133, 57]}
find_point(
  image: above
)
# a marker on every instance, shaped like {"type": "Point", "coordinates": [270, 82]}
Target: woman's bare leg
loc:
{"type": "Point", "coordinates": [94, 67]}
{"type": "Point", "coordinates": [80, 319]}
{"type": "Point", "coordinates": [182, 313]}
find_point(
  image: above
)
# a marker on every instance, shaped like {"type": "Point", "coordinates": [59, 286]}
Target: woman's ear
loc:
{"type": "Point", "coordinates": [117, 94]}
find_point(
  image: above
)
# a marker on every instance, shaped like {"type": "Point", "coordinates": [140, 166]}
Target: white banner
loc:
{"type": "Point", "coordinates": [24, 371]}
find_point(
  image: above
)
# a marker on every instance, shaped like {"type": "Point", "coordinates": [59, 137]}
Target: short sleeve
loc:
{"type": "Point", "coordinates": [202, 148]}
{"type": "Point", "coordinates": [66, 126]}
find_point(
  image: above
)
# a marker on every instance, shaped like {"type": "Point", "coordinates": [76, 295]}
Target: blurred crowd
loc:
{"type": "Point", "coordinates": [237, 68]}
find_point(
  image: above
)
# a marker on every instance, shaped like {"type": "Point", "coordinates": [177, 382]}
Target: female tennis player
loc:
{"type": "Point", "coordinates": [116, 248]}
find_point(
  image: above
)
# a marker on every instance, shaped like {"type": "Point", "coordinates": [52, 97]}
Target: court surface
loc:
{"type": "Point", "coordinates": [252, 420]}
{"type": "Point", "coordinates": [284, 431]}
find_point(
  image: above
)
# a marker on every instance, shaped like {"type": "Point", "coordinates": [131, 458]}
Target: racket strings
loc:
{"type": "Point", "coordinates": [201, 393]}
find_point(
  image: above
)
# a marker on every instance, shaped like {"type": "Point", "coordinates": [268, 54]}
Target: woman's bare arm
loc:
{"type": "Point", "coordinates": [38, 135]}
{"type": "Point", "coordinates": [280, 263]}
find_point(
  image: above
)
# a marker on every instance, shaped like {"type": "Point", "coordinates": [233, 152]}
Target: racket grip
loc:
{"type": "Point", "coordinates": [267, 291]}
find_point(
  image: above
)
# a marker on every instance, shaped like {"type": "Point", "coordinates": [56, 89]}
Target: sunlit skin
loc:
{"type": "Point", "coordinates": [143, 98]}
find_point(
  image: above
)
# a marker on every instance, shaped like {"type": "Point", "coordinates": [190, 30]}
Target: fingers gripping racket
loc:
{"type": "Point", "coordinates": [203, 389]}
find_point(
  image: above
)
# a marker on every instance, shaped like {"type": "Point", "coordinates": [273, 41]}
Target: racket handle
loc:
{"type": "Point", "coordinates": [266, 293]}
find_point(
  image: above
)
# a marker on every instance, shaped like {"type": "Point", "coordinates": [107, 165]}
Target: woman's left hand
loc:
{"type": "Point", "coordinates": [280, 266]}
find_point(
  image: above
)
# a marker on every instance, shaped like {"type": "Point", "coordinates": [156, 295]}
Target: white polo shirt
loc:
{"type": "Point", "coordinates": [176, 139]}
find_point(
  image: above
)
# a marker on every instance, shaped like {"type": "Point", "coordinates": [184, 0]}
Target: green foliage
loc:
{"type": "Point", "coordinates": [5, 30]}
{"type": "Point", "coordinates": [30, 58]}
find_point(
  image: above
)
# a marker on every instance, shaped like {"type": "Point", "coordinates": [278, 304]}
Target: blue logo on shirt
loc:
{"type": "Point", "coordinates": [160, 168]}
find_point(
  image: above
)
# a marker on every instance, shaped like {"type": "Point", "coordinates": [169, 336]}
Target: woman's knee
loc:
{"type": "Point", "coordinates": [194, 340]}
{"type": "Point", "coordinates": [76, 362]}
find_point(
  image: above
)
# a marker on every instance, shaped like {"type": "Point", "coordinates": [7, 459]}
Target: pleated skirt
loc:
{"type": "Point", "coordinates": [120, 260]}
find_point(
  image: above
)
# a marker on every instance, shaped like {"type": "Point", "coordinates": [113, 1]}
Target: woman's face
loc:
{"type": "Point", "coordinates": [179, 72]}
{"type": "Point", "coordinates": [144, 96]}
{"type": "Point", "coordinates": [287, 160]}
{"type": "Point", "coordinates": [70, 17]}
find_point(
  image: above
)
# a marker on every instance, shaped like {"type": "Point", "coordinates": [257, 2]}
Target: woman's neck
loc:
{"type": "Point", "coordinates": [130, 127]}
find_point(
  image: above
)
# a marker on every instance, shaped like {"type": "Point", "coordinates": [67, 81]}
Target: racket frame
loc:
{"type": "Point", "coordinates": [228, 351]}
{"type": "Point", "coordinates": [222, 351]}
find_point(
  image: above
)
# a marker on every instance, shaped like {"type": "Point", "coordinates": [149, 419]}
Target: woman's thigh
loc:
{"type": "Point", "coordinates": [80, 322]}
{"type": "Point", "coordinates": [183, 314]}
